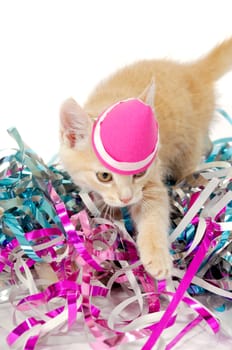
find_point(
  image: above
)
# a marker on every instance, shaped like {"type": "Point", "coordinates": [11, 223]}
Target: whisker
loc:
{"type": "Point", "coordinates": [106, 214]}
{"type": "Point", "coordinates": [112, 211]}
{"type": "Point", "coordinates": [104, 210]}
{"type": "Point", "coordinates": [99, 202]}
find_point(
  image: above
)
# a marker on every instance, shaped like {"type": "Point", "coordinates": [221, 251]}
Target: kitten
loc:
{"type": "Point", "coordinates": [183, 101]}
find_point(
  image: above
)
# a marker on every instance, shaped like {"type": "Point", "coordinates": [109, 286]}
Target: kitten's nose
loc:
{"type": "Point", "coordinates": [125, 200]}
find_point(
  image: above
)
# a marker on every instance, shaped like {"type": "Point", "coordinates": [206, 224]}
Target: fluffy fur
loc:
{"type": "Point", "coordinates": [184, 104]}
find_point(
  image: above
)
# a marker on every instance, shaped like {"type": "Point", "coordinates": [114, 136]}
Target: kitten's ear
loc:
{"type": "Point", "coordinates": [75, 125]}
{"type": "Point", "coordinates": [148, 95]}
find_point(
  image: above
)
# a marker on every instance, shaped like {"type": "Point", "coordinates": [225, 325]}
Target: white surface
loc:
{"type": "Point", "coordinates": [53, 49]}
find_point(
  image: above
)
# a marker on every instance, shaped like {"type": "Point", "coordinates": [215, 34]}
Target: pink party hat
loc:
{"type": "Point", "coordinates": [125, 137]}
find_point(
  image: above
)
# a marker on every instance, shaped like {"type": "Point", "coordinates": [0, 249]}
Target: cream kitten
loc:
{"type": "Point", "coordinates": [184, 104]}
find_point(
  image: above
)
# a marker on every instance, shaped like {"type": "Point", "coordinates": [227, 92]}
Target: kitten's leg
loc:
{"type": "Point", "coordinates": [152, 220]}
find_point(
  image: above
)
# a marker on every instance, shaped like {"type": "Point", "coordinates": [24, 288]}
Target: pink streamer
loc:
{"type": "Point", "coordinates": [183, 286]}
{"type": "Point", "coordinates": [183, 332]}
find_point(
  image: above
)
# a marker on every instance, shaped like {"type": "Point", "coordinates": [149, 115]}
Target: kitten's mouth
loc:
{"type": "Point", "coordinates": [96, 197]}
{"type": "Point", "coordinates": [122, 204]}
{"type": "Point", "coordinates": [117, 205]}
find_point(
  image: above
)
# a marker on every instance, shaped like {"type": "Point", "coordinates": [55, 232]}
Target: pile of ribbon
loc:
{"type": "Point", "coordinates": [95, 285]}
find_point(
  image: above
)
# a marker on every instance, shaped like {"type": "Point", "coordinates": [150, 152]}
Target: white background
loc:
{"type": "Point", "coordinates": [52, 49]}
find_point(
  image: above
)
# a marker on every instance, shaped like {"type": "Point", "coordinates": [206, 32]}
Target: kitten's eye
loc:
{"type": "Point", "coordinates": [136, 176]}
{"type": "Point", "coordinates": [104, 177]}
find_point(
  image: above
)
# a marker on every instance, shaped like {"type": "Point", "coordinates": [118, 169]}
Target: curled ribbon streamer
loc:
{"type": "Point", "coordinates": [190, 273]}
{"type": "Point", "coordinates": [206, 285]}
{"type": "Point", "coordinates": [183, 332]}
{"type": "Point", "coordinates": [195, 208]}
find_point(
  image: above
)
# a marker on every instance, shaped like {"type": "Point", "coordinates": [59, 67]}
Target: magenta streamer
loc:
{"type": "Point", "coordinates": [183, 286]}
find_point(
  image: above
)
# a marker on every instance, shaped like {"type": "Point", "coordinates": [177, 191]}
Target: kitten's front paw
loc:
{"type": "Point", "coordinates": [156, 261]}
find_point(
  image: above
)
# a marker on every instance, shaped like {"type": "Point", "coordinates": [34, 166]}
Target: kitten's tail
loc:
{"type": "Point", "coordinates": [217, 63]}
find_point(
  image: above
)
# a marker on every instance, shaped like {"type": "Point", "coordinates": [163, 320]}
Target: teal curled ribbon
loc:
{"type": "Point", "coordinates": [25, 203]}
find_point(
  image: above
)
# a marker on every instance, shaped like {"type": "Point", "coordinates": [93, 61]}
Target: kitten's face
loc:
{"type": "Point", "coordinates": [88, 173]}
{"type": "Point", "coordinates": [80, 161]}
